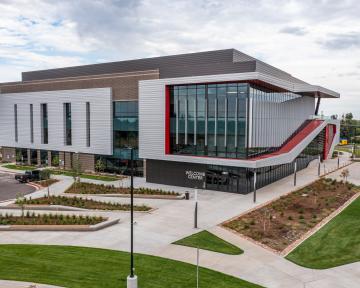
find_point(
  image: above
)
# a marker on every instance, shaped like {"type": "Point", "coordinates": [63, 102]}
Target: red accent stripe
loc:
{"type": "Point", "coordinates": [299, 137]}
{"type": "Point", "coordinates": [167, 120]}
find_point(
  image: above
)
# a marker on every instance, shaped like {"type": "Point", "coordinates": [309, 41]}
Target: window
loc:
{"type": "Point", "coordinates": [67, 124]}
{"type": "Point", "coordinates": [16, 123]}
{"type": "Point", "coordinates": [88, 124]}
{"type": "Point", "coordinates": [31, 123]}
{"type": "Point", "coordinates": [126, 127]}
{"type": "Point", "coordinates": [208, 119]}
{"type": "Point", "coordinates": [44, 124]}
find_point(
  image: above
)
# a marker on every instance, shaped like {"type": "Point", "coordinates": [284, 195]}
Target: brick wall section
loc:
{"type": "Point", "coordinates": [61, 159]}
{"type": "Point", "coordinates": [125, 85]}
{"type": "Point", "coordinates": [9, 154]}
{"type": "Point", "coordinates": [68, 160]}
{"type": "Point", "coordinates": [87, 162]}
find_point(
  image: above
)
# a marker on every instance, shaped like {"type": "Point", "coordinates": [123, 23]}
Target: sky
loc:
{"type": "Point", "coordinates": [316, 41]}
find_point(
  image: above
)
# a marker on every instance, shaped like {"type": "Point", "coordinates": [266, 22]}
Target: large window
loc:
{"type": "Point", "coordinates": [68, 124]}
{"type": "Point", "coordinates": [209, 120]}
{"type": "Point", "coordinates": [125, 128]}
{"type": "Point", "coordinates": [126, 131]}
{"type": "Point", "coordinates": [44, 124]}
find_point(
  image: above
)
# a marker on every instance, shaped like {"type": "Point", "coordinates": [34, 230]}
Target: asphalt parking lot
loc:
{"type": "Point", "coordinates": [10, 189]}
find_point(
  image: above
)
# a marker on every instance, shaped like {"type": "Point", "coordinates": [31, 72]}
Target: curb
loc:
{"type": "Point", "coordinates": [64, 228]}
{"type": "Point", "coordinates": [138, 196]}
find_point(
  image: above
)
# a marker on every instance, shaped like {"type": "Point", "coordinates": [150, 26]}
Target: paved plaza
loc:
{"type": "Point", "coordinates": [173, 220]}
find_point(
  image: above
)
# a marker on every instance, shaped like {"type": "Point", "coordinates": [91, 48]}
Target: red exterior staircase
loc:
{"type": "Point", "coordinates": [293, 141]}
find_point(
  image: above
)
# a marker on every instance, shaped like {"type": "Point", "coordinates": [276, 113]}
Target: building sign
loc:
{"type": "Point", "coordinates": [195, 175]}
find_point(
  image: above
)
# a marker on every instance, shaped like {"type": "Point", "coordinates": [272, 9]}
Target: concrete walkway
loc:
{"type": "Point", "coordinates": [260, 266]}
{"type": "Point", "coordinates": [173, 220]}
{"type": "Point", "coordinates": [17, 284]}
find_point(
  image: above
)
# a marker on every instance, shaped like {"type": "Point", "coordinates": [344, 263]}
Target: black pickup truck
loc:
{"type": "Point", "coordinates": [28, 176]}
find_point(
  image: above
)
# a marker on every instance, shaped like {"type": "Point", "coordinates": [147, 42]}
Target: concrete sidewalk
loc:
{"type": "Point", "coordinates": [173, 220]}
{"type": "Point", "coordinates": [18, 284]}
{"type": "Point", "coordinates": [263, 267]}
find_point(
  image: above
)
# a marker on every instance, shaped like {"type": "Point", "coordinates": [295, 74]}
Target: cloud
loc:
{"type": "Point", "coordinates": [42, 34]}
{"type": "Point", "coordinates": [343, 41]}
{"type": "Point", "coordinates": [298, 31]}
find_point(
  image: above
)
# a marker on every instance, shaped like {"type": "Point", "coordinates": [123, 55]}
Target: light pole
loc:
{"type": "Point", "coordinates": [196, 209]}
{"type": "Point", "coordinates": [295, 170]}
{"type": "Point", "coordinates": [254, 186]}
{"type": "Point", "coordinates": [132, 278]}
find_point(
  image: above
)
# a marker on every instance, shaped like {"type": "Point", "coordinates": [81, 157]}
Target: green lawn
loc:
{"type": "Point", "coordinates": [207, 241]}
{"type": "Point", "coordinates": [349, 150]}
{"type": "Point", "coordinates": [337, 243]}
{"type": "Point", "coordinates": [86, 176]}
{"type": "Point", "coordinates": [19, 167]}
{"type": "Point", "coordinates": [79, 267]}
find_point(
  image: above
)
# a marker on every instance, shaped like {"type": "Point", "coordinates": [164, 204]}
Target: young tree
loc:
{"type": "Point", "coordinates": [345, 174]}
{"type": "Point", "coordinates": [20, 200]}
{"type": "Point", "coordinates": [55, 161]}
{"type": "Point", "coordinates": [76, 169]}
{"type": "Point", "coordinates": [100, 165]}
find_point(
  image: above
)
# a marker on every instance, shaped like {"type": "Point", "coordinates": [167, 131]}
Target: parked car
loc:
{"type": "Point", "coordinates": [28, 176]}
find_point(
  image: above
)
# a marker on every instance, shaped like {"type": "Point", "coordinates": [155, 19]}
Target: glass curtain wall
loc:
{"type": "Point", "coordinates": [274, 119]}
{"type": "Point", "coordinates": [241, 180]}
{"type": "Point", "coordinates": [126, 134]}
{"type": "Point", "coordinates": [209, 119]}
{"type": "Point", "coordinates": [126, 128]}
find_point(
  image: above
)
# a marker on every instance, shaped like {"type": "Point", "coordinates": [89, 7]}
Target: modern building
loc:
{"type": "Point", "coordinates": [216, 120]}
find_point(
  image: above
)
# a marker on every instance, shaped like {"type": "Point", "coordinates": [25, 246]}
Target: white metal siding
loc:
{"type": "Point", "coordinates": [100, 120]}
{"type": "Point", "coordinates": [286, 117]}
{"type": "Point", "coordinates": [152, 122]}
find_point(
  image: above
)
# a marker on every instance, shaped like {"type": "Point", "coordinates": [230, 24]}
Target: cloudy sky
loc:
{"type": "Point", "coordinates": [317, 41]}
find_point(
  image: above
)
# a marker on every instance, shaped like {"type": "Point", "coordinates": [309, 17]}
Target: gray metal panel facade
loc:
{"type": "Point", "coordinates": [100, 120]}
{"type": "Point", "coordinates": [176, 62]}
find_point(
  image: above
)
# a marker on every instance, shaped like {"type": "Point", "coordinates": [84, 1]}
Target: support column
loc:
{"type": "Point", "coordinates": [28, 156]}
{"type": "Point", "coordinates": [38, 157]}
{"type": "Point", "coordinates": [317, 106]}
{"type": "Point", "coordinates": [49, 158]}
{"type": "Point", "coordinates": [144, 168]}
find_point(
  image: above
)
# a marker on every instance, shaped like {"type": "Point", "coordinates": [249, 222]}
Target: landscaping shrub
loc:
{"type": "Point", "coordinates": [90, 188]}
{"type": "Point", "coordinates": [80, 203]}
{"type": "Point", "coordinates": [49, 219]}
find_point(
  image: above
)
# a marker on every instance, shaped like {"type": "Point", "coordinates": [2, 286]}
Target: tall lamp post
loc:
{"type": "Point", "coordinates": [132, 278]}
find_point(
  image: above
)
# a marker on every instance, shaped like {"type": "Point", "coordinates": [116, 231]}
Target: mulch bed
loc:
{"type": "Point", "coordinates": [46, 183]}
{"type": "Point", "coordinates": [49, 219]}
{"type": "Point", "coordinates": [90, 188]}
{"type": "Point", "coordinates": [283, 221]}
{"type": "Point", "coordinates": [81, 203]}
